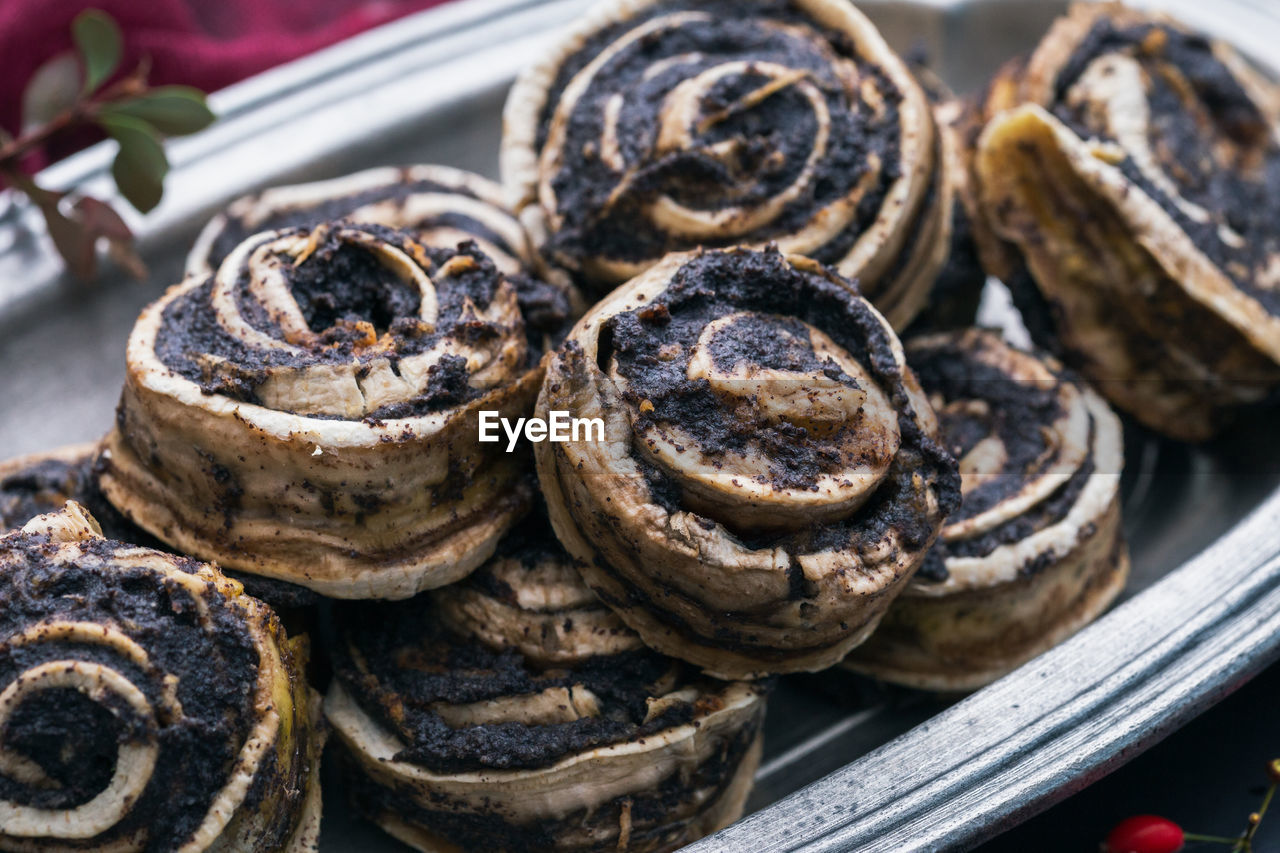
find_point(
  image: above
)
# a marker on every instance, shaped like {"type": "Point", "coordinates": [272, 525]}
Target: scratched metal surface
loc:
{"type": "Point", "coordinates": [875, 769]}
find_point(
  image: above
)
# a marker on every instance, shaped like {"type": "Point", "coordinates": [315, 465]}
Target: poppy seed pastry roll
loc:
{"type": "Point", "coordinates": [1137, 174]}
{"type": "Point", "coordinates": [664, 125]}
{"type": "Point", "coordinates": [1035, 551]}
{"type": "Point", "coordinates": [146, 703]}
{"type": "Point", "coordinates": [769, 477]}
{"type": "Point", "coordinates": [513, 711]}
{"type": "Point", "coordinates": [310, 413]}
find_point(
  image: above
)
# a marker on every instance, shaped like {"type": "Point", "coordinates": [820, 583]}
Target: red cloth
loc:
{"type": "Point", "coordinates": [208, 44]}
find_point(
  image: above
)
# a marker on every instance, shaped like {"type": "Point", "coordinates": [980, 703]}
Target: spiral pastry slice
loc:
{"type": "Point", "coordinates": [512, 711]}
{"type": "Point", "coordinates": [1035, 551]}
{"type": "Point", "coordinates": [1137, 173]}
{"type": "Point", "coordinates": [662, 125]}
{"type": "Point", "coordinates": [310, 412]}
{"type": "Point", "coordinates": [146, 703]}
{"type": "Point", "coordinates": [768, 479]}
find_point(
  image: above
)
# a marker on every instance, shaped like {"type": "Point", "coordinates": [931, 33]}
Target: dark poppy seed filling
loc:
{"type": "Point", "coordinates": [351, 286]}
{"type": "Point", "coordinates": [441, 206]}
{"type": "Point", "coordinates": [43, 485]}
{"type": "Point", "coordinates": [310, 412]}
{"type": "Point", "coordinates": [409, 670]}
{"type": "Point", "coordinates": [772, 138]}
{"type": "Point", "coordinates": [1012, 410]}
{"type": "Point", "coordinates": [775, 433]}
{"type": "Point", "coordinates": [659, 816]}
{"type": "Point", "coordinates": [132, 698]}
{"type": "Point", "coordinates": [1133, 166]}
{"type": "Point", "coordinates": [1010, 424]}
{"type": "Point", "coordinates": [347, 303]}
{"type": "Point", "coordinates": [663, 126]}
{"type": "Point", "coordinates": [512, 684]}
{"type": "Point", "coordinates": [1035, 550]}
{"type": "Point", "coordinates": [759, 346]}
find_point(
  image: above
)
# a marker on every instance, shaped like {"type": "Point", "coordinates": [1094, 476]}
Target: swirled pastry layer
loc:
{"type": "Point", "coordinates": [768, 479]}
{"type": "Point", "coordinates": [145, 703]}
{"type": "Point", "coordinates": [40, 483]}
{"type": "Point", "coordinates": [443, 206]}
{"type": "Point", "coordinates": [1035, 551]}
{"type": "Point", "coordinates": [309, 413]}
{"type": "Point", "coordinates": [513, 711]}
{"type": "Point", "coordinates": [440, 205]}
{"type": "Point", "coordinates": [662, 126]}
{"type": "Point", "coordinates": [1136, 169]}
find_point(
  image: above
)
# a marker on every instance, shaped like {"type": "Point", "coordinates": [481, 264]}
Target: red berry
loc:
{"type": "Point", "coordinates": [1144, 833]}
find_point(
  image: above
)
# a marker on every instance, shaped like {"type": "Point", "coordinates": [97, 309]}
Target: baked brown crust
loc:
{"type": "Point", "coordinates": [310, 413]}
{"type": "Point", "coordinates": [513, 711]}
{"type": "Point", "coordinates": [147, 703]}
{"type": "Point", "coordinates": [1035, 552]}
{"type": "Point", "coordinates": [768, 479]}
{"type": "Point", "coordinates": [663, 125]}
{"type": "Point", "coordinates": [39, 483]}
{"type": "Point", "coordinates": [1133, 167]}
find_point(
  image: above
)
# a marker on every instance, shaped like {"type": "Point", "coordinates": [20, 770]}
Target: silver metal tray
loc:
{"type": "Point", "coordinates": [884, 770]}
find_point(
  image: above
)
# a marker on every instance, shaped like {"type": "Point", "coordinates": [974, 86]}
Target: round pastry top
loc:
{"type": "Point", "coordinates": [660, 126]}
{"type": "Point", "coordinates": [761, 391]}
{"type": "Point", "coordinates": [126, 675]}
{"type": "Point", "coordinates": [345, 321]}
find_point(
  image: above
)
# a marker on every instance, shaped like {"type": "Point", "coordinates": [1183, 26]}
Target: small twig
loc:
{"type": "Point", "coordinates": [14, 149]}
{"type": "Point", "coordinates": [1211, 839]}
{"type": "Point", "coordinates": [136, 116]}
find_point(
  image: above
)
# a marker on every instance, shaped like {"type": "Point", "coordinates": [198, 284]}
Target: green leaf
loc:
{"type": "Point", "coordinates": [97, 37]}
{"type": "Point", "coordinates": [172, 110]}
{"type": "Point", "coordinates": [140, 165]}
{"type": "Point", "coordinates": [53, 89]}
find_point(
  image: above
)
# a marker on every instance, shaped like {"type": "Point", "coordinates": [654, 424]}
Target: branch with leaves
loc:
{"type": "Point", "coordinates": [130, 111]}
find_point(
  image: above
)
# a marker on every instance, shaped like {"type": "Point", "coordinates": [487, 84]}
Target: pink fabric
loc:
{"type": "Point", "coordinates": [208, 44]}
